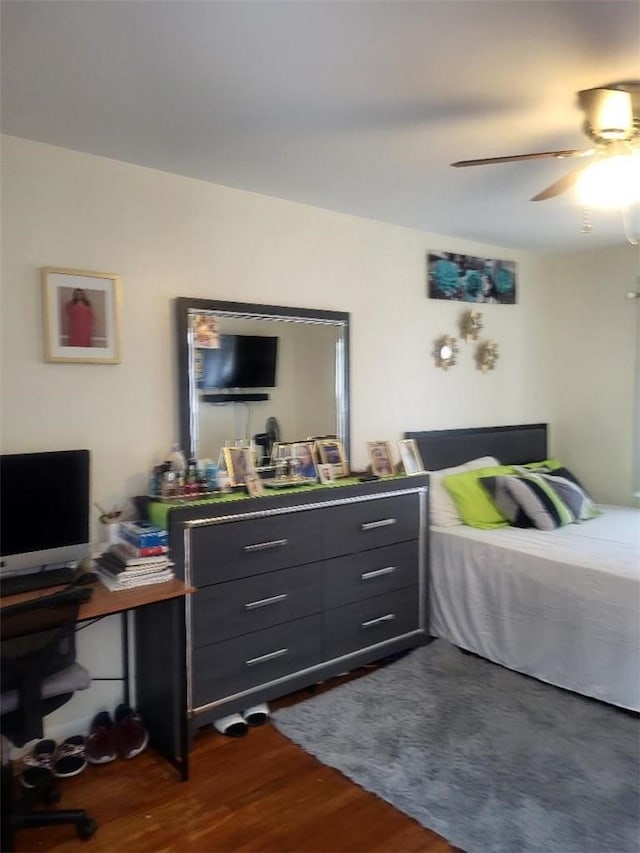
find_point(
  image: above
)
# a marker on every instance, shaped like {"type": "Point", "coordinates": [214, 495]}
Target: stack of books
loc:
{"type": "Point", "coordinates": [125, 564]}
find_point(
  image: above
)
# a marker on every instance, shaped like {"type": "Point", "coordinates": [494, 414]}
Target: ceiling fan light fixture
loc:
{"type": "Point", "coordinates": [609, 113]}
{"type": "Point", "coordinates": [611, 182]}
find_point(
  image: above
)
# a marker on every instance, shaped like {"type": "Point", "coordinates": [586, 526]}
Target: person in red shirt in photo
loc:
{"type": "Point", "coordinates": [79, 319]}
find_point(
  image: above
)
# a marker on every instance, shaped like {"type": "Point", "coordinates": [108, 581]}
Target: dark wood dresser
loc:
{"type": "Point", "coordinates": [293, 588]}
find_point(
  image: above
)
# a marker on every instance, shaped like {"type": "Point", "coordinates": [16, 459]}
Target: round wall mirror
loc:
{"type": "Point", "coordinates": [445, 352]}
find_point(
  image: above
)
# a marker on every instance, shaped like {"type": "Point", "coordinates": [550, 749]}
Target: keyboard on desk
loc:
{"type": "Point", "coordinates": [36, 580]}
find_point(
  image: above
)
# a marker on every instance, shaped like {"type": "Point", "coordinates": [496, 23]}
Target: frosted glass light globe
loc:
{"type": "Point", "coordinates": [611, 182]}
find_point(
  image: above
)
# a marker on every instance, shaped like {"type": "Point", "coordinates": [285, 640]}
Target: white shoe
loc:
{"type": "Point", "coordinates": [256, 715]}
{"type": "Point", "coordinates": [232, 726]}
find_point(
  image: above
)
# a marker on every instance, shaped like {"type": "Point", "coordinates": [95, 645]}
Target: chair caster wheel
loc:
{"type": "Point", "coordinates": [86, 828]}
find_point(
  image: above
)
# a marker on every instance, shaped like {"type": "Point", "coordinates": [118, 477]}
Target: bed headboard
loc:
{"type": "Point", "coordinates": [511, 445]}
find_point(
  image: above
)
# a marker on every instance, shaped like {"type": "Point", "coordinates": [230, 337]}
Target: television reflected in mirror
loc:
{"type": "Point", "coordinates": [238, 362]}
{"type": "Point", "coordinates": [259, 365]}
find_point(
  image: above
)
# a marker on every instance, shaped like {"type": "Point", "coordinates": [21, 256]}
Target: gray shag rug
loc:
{"type": "Point", "coordinates": [488, 758]}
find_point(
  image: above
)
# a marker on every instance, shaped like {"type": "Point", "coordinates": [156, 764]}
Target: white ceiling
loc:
{"type": "Point", "coordinates": [352, 106]}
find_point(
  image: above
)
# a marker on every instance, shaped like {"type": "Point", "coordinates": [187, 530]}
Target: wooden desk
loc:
{"type": "Point", "coordinates": [160, 654]}
{"type": "Point", "coordinates": [103, 602]}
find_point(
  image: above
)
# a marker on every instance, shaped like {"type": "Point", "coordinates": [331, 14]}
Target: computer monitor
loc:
{"type": "Point", "coordinates": [44, 509]}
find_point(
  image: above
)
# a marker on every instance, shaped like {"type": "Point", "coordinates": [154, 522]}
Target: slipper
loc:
{"type": "Point", "coordinates": [69, 758]}
{"type": "Point", "coordinates": [256, 715]}
{"type": "Point", "coordinates": [38, 764]}
{"type": "Point", "coordinates": [232, 726]}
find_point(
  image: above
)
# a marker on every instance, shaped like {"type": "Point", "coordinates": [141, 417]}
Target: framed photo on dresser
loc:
{"type": "Point", "coordinates": [325, 473]}
{"type": "Point", "coordinates": [380, 458]}
{"type": "Point", "coordinates": [331, 452]}
{"type": "Point", "coordinates": [410, 456]}
{"type": "Point", "coordinates": [239, 464]}
{"type": "Point", "coordinates": [254, 485]}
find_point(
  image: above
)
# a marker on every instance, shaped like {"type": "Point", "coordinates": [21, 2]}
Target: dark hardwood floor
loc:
{"type": "Point", "coordinates": [256, 793]}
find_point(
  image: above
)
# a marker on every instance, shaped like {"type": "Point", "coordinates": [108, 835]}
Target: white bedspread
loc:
{"type": "Point", "coordinates": [563, 606]}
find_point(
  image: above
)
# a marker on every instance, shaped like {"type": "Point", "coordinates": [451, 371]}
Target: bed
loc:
{"type": "Point", "coordinates": [562, 605]}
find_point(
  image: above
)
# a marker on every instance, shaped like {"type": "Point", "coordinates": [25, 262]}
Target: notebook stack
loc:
{"type": "Point", "coordinates": [139, 559]}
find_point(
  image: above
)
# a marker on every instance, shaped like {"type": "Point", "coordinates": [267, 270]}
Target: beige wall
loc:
{"type": "Point", "coordinates": [592, 335]}
{"type": "Point", "coordinates": [169, 236]}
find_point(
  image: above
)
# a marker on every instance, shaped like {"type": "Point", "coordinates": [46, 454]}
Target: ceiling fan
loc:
{"type": "Point", "coordinates": [612, 123]}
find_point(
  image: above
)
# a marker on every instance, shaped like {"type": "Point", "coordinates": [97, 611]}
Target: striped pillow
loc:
{"type": "Point", "coordinates": [498, 490]}
{"type": "Point", "coordinates": [528, 501]}
{"type": "Point", "coordinates": [567, 486]}
{"type": "Point", "coordinates": [573, 493]}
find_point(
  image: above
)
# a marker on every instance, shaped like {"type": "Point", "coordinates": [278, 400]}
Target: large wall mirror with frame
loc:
{"type": "Point", "coordinates": [250, 371]}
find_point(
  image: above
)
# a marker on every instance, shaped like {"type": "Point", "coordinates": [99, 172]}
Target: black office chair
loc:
{"type": "Point", "coordinates": [39, 674]}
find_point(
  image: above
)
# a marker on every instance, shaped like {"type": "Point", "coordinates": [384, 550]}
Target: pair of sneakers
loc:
{"type": "Point", "coordinates": [123, 736]}
{"type": "Point", "coordinates": [237, 725]}
{"type": "Point", "coordinates": [48, 758]}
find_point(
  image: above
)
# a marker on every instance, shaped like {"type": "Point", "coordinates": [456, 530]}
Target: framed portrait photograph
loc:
{"type": "Point", "coordinates": [331, 452]}
{"type": "Point", "coordinates": [325, 473]}
{"type": "Point", "coordinates": [303, 452]}
{"type": "Point", "coordinates": [81, 314]}
{"type": "Point", "coordinates": [239, 464]}
{"type": "Point", "coordinates": [380, 458]}
{"type": "Point", "coordinates": [410, 456]}
{"type": "Point", "coordinates": [254, 485]}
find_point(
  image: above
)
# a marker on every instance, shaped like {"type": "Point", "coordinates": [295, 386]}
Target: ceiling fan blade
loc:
{"type": "Point", "coordinates": [565, 183]}
{"type": "Point", "coordinates": [514, 158]}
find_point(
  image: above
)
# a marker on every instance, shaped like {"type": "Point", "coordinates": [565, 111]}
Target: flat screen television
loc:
{"type": "Point", "coordinates": [241, 361]}
{"type": "Point", "coordinates": [44, 509]}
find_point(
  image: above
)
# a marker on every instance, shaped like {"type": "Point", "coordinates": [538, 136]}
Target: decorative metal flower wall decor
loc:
{"type": "Point", "coordinates": [487, 355]}
{"type": "Point", "coordinates": [445, 352]}
{"type": "Point", "coordinates": [471, 325]}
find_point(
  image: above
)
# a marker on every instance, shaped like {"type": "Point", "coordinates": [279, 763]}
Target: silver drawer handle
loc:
{"type": "Point", "coordinates": [265, 601]}
{"type": "Point", "coordinates": [388, 618]}
{"type": "Point", "coordinates": [263, 546]}
{"type": "Point", "coordinates": [389, 570]}
{"type": "Point", "coordinates": [265, 658]}
{"type": "Point", "coordinates": [384, 522]}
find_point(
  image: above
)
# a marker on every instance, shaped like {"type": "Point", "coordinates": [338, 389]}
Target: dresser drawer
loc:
{"type": "Point", "coordinates": [253, 659]}
{"type": "Point", "coordinates": [370, 524]}
{"type": "Point", "coordinates": [371, 621]}
{"type": "Point", "coordinates": [238, 549]}
{"type": "Point", "coordinates": [230, 609]}
{"type": "Point", "coordinates": [369, 573]}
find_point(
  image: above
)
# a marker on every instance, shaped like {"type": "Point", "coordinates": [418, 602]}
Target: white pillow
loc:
{"type": "Point", "coordinates": [442, 510]}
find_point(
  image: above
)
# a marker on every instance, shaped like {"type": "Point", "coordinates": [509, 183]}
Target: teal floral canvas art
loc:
{"type": "Point", "coordinates": [465, 278]}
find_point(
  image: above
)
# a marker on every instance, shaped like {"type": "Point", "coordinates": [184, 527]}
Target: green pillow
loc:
{"type": "Point", "coordinates": [472, 501]}
{"type": "Point", "coordinates": [549, 464]}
